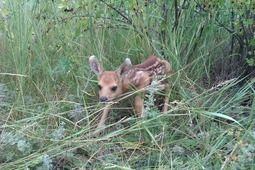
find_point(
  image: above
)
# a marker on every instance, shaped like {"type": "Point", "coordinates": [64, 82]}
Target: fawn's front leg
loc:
{"type": "Point", "coordinates": [104, 116]}
{"type": "Point", "coordinates": [138, 105]}
{"type": "Point", "coordinates": [102, 119]}
{"type": "Point", "coordinates": [166, 100]}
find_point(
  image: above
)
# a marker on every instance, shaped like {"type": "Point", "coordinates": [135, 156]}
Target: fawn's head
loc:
{"type": "Point", "coordinates": [109, 82]}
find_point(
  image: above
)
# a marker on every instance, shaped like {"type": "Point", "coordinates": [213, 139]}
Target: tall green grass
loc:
{"type": "Point", "coordinates": [48, 95]}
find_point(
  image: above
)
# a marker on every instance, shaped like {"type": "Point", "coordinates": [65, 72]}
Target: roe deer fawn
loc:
{"type": "Point", "coordinates": [128, 76]}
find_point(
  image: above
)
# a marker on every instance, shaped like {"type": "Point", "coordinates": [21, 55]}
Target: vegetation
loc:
{"type": "Point", "coordinates": [48, 95]}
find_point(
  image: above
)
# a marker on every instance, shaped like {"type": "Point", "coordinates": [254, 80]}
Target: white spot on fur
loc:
{"type": "Point", "coordinates": [137, 76]}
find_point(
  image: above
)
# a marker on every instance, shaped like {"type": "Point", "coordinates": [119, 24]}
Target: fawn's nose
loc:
{"type": "Point", "coordinates": [103, 99]}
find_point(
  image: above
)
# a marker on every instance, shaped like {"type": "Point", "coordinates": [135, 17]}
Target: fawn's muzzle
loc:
{"type": "Point", "coordinates": [103, 99]}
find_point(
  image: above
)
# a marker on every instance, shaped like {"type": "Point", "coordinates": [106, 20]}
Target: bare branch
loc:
{"type": "Point", "coordinates": [118, 11]}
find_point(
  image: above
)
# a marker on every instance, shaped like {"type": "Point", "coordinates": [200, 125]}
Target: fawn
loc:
{"type": "Point", "coordinates": [128, 76]}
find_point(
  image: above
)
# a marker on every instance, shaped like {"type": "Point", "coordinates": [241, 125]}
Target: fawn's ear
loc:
{"type": "Point", "coordinates": [125, 67]}
{"type": "Point", "coordinates": [94, 65]}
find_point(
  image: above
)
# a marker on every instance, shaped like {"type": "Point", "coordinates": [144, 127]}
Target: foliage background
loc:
{"type": "Point", "coordinates": [48, 95]}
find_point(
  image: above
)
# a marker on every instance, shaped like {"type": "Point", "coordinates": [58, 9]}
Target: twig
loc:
{"type": "Point", "coordinates": [239, 39]}
{"type": "Point", "coordinates": [232, 27]}
{"type": "Point", "coordinates": [229, 157]}
{"type": "Point", "coordinates": [245, 36]}
{"type": "Point", "coordinates": [12, 74]}
{"type": "Point", "coordinates": [176, 14]}
{"type": "Point", "coordinates": [84, 16]}
{"type": "Point", "coordinates": [118, 11]}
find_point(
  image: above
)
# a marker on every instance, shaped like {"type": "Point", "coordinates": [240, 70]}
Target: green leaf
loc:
{"type": "Point", "coordinates": [250, 61]}
{"type": "Point", "coordinates": [217, 115]}
{"type": "Point", "coordinates": [252, 41]}
{"type": "Point", "coordinates": [248, 22]}
{"type": "Point", "coordinates": [63, 4]}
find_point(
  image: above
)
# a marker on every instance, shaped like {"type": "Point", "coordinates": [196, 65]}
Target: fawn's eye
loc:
{"type": "Point", "coordinates": [114, 88]}
{"type": "Point", "coordinates": [99, 87]}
